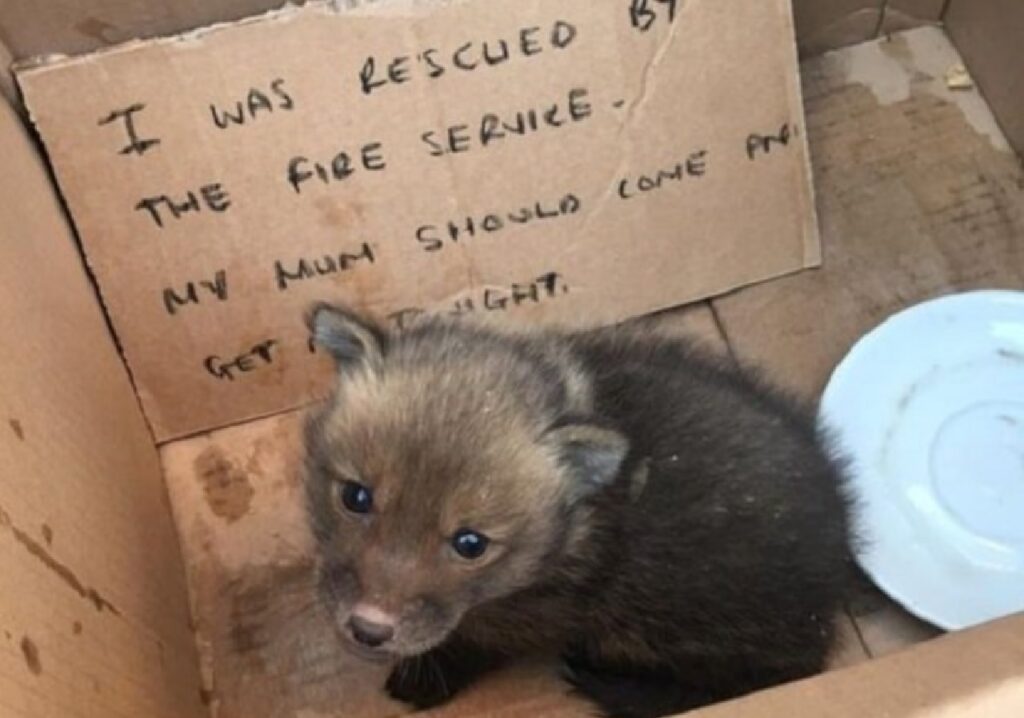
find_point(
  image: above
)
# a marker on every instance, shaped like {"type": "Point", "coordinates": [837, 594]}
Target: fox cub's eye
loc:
{"type": "Point", "coordinates": [355, 497]}
{"type": "Point", "coordinates": [469, 544]}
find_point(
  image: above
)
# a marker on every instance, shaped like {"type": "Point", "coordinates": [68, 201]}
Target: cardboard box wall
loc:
{"type": "Point", "coordinates": [93, 617]}
{"type": "Point", "coordinates": [30, 27]}
{"type": "Point", "coordinates": [84, 512]}
{"type": "Point", "coordinates": [988, 35]}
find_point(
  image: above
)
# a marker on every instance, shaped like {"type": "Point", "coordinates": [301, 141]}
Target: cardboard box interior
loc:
{"type": "Point", "coordinates": [94, 616]}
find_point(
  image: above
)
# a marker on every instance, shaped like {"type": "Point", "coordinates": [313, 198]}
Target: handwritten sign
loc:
{"type": "Point", "coordinates": [571, 161]}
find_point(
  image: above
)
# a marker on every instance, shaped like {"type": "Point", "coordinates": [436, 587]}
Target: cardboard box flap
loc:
{"type": "Point", "coordinates": [571, 161]}
{"type": "Point", "coordinates": [94, 618]}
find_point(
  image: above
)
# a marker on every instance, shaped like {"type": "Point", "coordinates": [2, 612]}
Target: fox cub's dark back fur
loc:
{"type": "Point", "coordinates": [674, 530]}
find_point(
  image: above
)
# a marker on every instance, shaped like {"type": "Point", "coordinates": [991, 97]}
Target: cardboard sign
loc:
{"type": "Point", "coordinates": [571, 161]}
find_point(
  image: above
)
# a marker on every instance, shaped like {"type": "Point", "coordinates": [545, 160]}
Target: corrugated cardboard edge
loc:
{"type": "Point", "coordinates": [812, 230]}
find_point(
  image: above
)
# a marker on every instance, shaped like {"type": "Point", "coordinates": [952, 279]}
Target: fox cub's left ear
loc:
{"type": "Point", "coordinates": [352, 341]}
{"type": "Point", "coordinates": [591, 455]}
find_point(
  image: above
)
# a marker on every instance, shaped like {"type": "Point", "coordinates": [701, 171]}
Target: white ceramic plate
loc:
{"type": "Point", "coordinates": [930, 409]}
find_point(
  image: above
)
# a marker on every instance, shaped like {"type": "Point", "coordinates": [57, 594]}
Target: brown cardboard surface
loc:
{"type": "Point", "coordinates": [988, 35]}
{"type": "Point", "coordinates": [93, 611]}
{"type": "Point", "coordinates": [883, 626]}
{"type": "Point", "coordinates": [919, 195]}
{"type": "Point", "coordinates": [649, 92]}
{"type": "Point", "coordinates": [32, 27]}
{"type": "Point", "coordinates": [824, 25]}
{"type": "Point", "coordinates": [923, 10]}
{"type": "Point", "coordinates": [891, 629]}
{"type": "Point", "coordinates": [900, 15]}
{"type": "Point", "coordinates": [850, 648]}
{"type": "Point", "coordinates": [828, 24]}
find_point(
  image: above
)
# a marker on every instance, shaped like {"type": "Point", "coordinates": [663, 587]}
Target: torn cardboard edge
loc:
{"type": "Point", "coordinates": [813, 255]}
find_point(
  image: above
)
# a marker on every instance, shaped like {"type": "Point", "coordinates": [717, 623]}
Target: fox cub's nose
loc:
{"type": "Point", "coordinates": [371, 632]}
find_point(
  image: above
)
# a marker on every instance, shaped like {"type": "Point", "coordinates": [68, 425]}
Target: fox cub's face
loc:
{"type": "Point", "coordinates": [449, 468]}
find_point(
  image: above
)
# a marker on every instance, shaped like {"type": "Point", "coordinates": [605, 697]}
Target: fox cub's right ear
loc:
{"type": "Point", "coordinates": [351, 340]}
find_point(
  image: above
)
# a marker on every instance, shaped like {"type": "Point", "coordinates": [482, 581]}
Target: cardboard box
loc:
{"type": "Point", "coordinates": [94, 587]}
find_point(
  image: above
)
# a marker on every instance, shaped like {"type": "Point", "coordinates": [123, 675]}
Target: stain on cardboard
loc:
{"type": "Point", "coordinates": [63, 572]}
{"type": "Point", "coordinates": [897, 47]}
{"type": "Point", "coordinates": [226, 487]}
{"type": "Point", "coordinates": [263, 447]}
{"type": "Point", "coordinates": [47, 534]}
{"type": "Point", "coordinates": [17, 428]}
{"type": "Point", "coordinates": [31, 653]}
{"type": "Point", "coordinates": [914, 62]}
{"type": "Point", "coordinates": [268, 646]}
{"type": "Point", "coordinates": [269, 450]}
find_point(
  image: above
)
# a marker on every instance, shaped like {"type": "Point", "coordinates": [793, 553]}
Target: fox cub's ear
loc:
{"type": "Point", "coordinates": [591, 455]}
{"type": "Point", "coordinates": [351, 340]}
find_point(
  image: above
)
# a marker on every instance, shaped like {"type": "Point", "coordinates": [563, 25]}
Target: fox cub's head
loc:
{"type": "Point", "coordinates": [452, 465]}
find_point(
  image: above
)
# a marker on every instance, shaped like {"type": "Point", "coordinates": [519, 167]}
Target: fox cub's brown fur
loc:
{"type": "Point", "coordinates": [670, 527]}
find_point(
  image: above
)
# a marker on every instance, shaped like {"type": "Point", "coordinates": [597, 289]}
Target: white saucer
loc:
{"type": "Point", "coordinates": [929, 407]}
